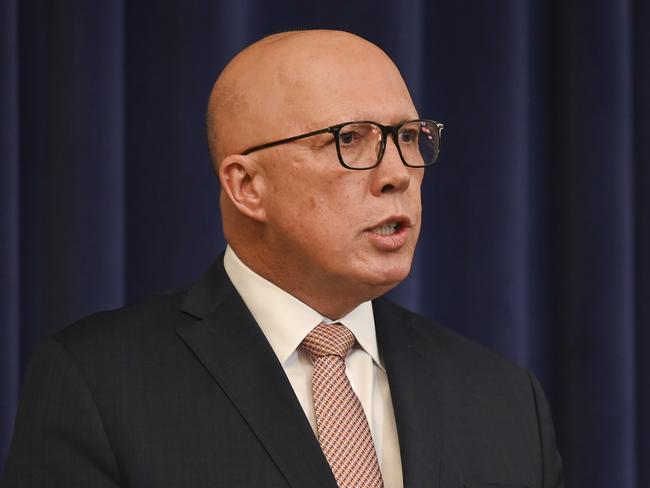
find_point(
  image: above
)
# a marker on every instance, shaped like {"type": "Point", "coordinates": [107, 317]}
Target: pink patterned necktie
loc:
{"type": "Point", "coordinates": [343, 430]}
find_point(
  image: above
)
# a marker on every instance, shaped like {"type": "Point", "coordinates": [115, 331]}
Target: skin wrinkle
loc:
{"type": "Point", "coordinates": [292, 213]}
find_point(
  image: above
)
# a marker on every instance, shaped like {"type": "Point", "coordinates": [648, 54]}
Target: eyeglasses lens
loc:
{"type": "Point", "coordinates": [360, 143]}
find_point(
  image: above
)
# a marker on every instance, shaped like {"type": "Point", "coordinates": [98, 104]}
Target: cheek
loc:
{"type": "Point", "coordinates": [312, 201]}
{"type": "Point", "coordinates": [297, 214]}
{"type": "Point", "coordinates": [328, 223]}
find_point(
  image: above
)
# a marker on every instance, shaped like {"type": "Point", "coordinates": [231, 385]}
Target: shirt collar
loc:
{"type": "Point", "coordinates": [285, 320]}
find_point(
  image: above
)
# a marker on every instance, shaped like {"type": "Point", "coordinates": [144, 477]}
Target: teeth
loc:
{"type": "Point", "coordinates": [386, 229]}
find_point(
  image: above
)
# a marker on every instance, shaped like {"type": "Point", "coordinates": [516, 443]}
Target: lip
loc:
{"type": "Point", "coordinates": [393, 241]}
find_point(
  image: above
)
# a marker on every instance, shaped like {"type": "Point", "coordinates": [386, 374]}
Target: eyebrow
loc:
{"type": "Point", "coordinates": [367, 116]}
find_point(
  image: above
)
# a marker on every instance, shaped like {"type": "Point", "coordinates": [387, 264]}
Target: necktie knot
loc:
{"type": "Point", "coordinates": [328, 340]}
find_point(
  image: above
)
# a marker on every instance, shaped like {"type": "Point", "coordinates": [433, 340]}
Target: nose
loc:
{"type": "Point", "coordinates": [391, 176]}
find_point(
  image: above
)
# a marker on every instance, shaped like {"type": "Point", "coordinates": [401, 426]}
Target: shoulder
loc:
{"type": "Point", "coordinates": [142, 327]}
{"type": "Point", "coordinates": [488, 403]}
{"type": "Point", "coordinates": [458, 359]}
{"type": "Point", "coordinates": [158, 316]}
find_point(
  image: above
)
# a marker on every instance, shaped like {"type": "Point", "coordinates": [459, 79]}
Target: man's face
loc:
{"type": "Point", "coordinates": [354, 231]}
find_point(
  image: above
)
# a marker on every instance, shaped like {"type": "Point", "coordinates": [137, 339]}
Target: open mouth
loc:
{"type": "Point", "coordinates": [390, 234]}
{"type": "Point", "coordinates": [387, 229]}
{"type": "Point", "coordinates": [391, 225]}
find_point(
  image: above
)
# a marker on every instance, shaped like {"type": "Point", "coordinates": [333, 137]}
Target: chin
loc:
{"type": "Point", "coordinates": [388, 277]}
{"type": "Point", "coordinates": [373, 276]}
{"type": "Point", "coordinates": [366, 286]}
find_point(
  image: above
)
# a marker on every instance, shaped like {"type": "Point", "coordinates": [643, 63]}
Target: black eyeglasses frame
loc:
{"type": "Point", "coordinates": [393, 130]}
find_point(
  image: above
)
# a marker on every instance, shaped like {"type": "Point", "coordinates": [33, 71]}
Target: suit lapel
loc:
{"type": "Point", "coordinates": [231, 346]}
{"type": "Point", "coordinates": [416, 394]}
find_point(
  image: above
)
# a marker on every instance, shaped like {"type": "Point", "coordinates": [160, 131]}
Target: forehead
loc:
{"type": "Point", "coordinates": [343, 90]}
{"type": "Point", "coordinates": [331, 80]}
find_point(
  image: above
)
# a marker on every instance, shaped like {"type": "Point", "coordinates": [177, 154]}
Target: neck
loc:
{"type": "Point", "coordinates": [332, 300]}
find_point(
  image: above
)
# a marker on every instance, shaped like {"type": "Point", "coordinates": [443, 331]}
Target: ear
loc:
{"type": "Point", "coordinates": [243, 183]}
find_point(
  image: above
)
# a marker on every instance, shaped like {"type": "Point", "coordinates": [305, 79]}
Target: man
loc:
{"type": "Point", "coordinates": [231, 383]}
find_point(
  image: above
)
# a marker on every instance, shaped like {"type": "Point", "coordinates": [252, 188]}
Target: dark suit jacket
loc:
{"type": "Point", "coordinates": [183, 390]}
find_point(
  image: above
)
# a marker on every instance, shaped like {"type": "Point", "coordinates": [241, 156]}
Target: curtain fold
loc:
{"type": "Point", "coordinates": [595, 246]}
{"type": "Point", "coordinates": [640, 17]}
{"type": "Point", "coordinates": [536, 221]}
{"type": "Point", "coordinates": [10, 359]}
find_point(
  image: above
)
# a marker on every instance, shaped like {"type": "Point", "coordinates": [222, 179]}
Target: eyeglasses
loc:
{"type": "Point", "coordinates": [361, 145]}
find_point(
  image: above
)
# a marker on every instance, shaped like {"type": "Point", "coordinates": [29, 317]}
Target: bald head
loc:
{"type": "Point", "coordinates": [284, 83]}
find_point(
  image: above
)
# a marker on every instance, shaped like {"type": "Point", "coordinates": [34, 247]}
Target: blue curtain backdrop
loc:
{"type": "Point", "coordinates": [536, 235]}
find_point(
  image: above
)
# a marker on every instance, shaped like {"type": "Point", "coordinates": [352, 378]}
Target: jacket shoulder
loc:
{"type": "Point", "coordinates": [456, 354]}
{"type": "Point", "coordinates": [150, 320]}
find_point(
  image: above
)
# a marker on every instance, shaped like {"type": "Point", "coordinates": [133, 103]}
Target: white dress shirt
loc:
{"type": "Point", "coordinates": [286, 321]}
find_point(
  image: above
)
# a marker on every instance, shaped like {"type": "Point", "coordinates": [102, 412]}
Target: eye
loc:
{"type": "Point", "coordinates": [408, 135]}
{"type": "Point", "coordinates": [349, 137]}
